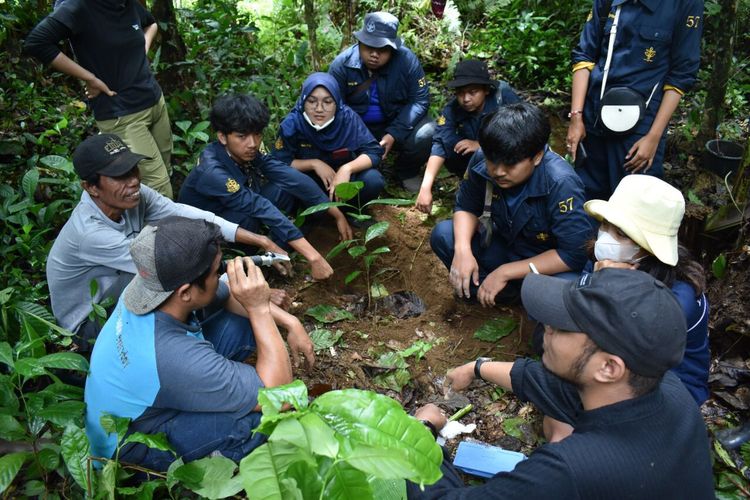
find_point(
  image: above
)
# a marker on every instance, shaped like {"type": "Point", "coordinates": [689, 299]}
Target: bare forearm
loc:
{"type": "Point", "coordinates": [548, 262]}
{"type": "Point", "coordinates": [304, 165]}
{"type": "Point", "coordinates": [579, 89]}
{"type": "Point", "coordinates": [305, 249]}
{"type": "Point", "coordinates": [464, 227]}
{"type": "Point", "coordinates": [669, 103]}
{"type": "Point", "coordinates": [247, 238]}
{"type": "Point", "coordinates": [497, 372]}
{"type": "Point", "coordinates": [360, 163]}
{"type": "Point", "coordinates": [66, 65]}
{"type": "Point", "coordinates": [431, 170]}
{"type": "Point", "coordinates": [150, 34]}
{"type": "Point", "coordinates": [273, 364]}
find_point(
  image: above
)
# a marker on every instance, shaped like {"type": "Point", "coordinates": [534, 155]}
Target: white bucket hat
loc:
{"type": "Point", "coordinates": [648, 210]}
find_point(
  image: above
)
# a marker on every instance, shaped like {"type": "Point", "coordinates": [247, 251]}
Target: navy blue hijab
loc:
{"type": "Point", "coordinates": [347, 129]}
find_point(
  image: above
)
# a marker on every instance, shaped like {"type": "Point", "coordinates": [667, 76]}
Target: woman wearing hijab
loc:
{"type": "Point", "coordinates": [325, 137]}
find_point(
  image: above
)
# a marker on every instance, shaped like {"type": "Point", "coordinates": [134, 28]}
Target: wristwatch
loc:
{"type": "Point", "coordinates": [478, 366]}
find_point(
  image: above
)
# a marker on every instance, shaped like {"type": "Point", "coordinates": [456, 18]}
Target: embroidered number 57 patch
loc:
{"type": "Point", "coordinates": [565, 205]}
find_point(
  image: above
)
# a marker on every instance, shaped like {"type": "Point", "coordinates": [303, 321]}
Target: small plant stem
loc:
{"type": "Point", "coordinates": [460, 413]}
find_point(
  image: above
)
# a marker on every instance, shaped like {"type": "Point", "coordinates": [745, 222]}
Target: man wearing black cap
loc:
{"type": "Point", "coordinates": [384, 82]}
{"type": "Point", "coordinates": [610, 339]}
{"type": "Point", "coordinates": [457, 128]}
{"type": "Point", "coordinates": [156, 364]}
{"type": "Point", "coordinates": [93, 244]}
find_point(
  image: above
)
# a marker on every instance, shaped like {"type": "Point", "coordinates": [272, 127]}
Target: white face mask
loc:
{"type": "Point", "coordinates": [317, 127]}
{"type": "Point", "coordinates": [608, 248]}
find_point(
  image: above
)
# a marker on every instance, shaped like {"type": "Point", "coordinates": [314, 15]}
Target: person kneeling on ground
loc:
{"type": "Point", "coordinates": [457, 127]}
{"type": "Point", "coordinates": [192, 382]}
{"type": "Point", "coordinates": [228, 179]}
{"type": "Point", "coordinates": [610, 340]}
{"type": "Point", "coordinates": [322, 135]}
{"type": "Point", "coordinates": [520, 204]}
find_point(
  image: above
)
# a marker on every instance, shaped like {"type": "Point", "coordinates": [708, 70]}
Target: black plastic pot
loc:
{"type": "Point", "coordinates": [722, 157]}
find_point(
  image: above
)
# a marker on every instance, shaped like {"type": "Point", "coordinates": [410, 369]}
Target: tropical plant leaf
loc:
{"type": "Point", "coordinates": [376, 230]}
{"type": "Point", "coordinates": [42, 316]}
{"type": "Point", "coordinates": [11, 429]}
{"type": "Point", "coordinates": [495, 329]}
{"type": "Point", "coordinates": [74, 448]}
{"type": "Point", "coordinates": [387, 489]}
{"type": "Point", "coordinates": [29, 182]}
{"type": "Point", "coordinates": [380, 250]}
{"type": "Point", "coordinates": [158, 441]}
{"type": "Point", "coordinates": [379, 422]}
{"type": "Point", "coordinates": [328, 314]}
{"type": "Point", "coordinates": [390, 201]}
{"type": "Point", "coordinates": [183, 125]}
{"type": "Point", "coordinates": [217, 478]}
{"type": "Point", "coordinates": [307, 479]}
{"type": "Point", "coordinates": [352, 276]}
{"type": "Point", "coordinates": [64, 360]}
{"type": "Point", "coordinates": [108, 479]}
{"type": "Point", "coordinates": [321, 437]}
{"type": "Point", "coordinates": [719, 266]}
{"type": "Point", "coordinates": [144, 491]}
{"type": "Point", "coordinates": [49, 458]}
{"type": "Point", "coordinates": [338, 248]}
{"type": "Point", "coordinates": [323, 338]}
{"type": "Point", "coordinates": [346, 483]}
{"type": "Point", "coordinates": [357, 251]}
{"type": "Point", "coordinates": [512, 427]}
{"type": "Point", "coordinates": [111, 423]}
{"type": "Point", "coordinates": [10, 464]}
{"type": "Point", "coordinates": [6, 354]}
{"type": "Point", "coordinates": [348, 190]}
{"type": "Point", "coordinates": [273, 398]}
{"type": "Point", "coordinates": [377, 291]}
{"type": "Point", "coordinates": [57, 162]}
{"type": "Point", "coordinates": [266, 465]}
{"type": "Point", "coordinates": [63, 413]}
{"type": "Point", "coordinates": [322, 206]}
{"type": "Point", "coordinates": [29, 367]}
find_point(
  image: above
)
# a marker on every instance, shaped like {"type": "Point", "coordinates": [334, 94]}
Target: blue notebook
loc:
{"type": "Point", "coordinates": [484, 460]}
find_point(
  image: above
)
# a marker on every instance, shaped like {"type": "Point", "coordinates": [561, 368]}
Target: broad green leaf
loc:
{"type": "Point", "coordinates": [693, 198]}
{"type": "Point", "coordinates": [290, 490]}
{"type": "Point", "coordinates": [338, 248]}
{"type": "Point", "coordinates": [29, 367]}
{"type": "Point", "coordinates": [723, 454]}
{"type": "Point", "coordinates": [389, 201]}
{"type": "Point", "coordinates": [495, 329]}
{"type": "Point", "coordinates": [719, 266]}
{"type": "Point", "coordinates": [158, 441]}
{"type": "Point", "coordinates": [328, 314]}
{"type": "Point", "coordinates": [5, 295]}
{"type": "Point", "coordinates": [322, 206]}
{"type": "Point", "coordinates": [418, 349]}
{"type": "Point", "coordinates": [352, 276]}
{"type": "Point", "coordinates": [377, 291]}
{"type": "Point", "coordinates": [378, 421]}
{"type": "Point", "coordinates": [290, 431]}
{"type": "Point", "coordinates": [112, 424]}
{"type": "Point", "coordinates": [321, 437]}
{"type": "Point", "coordinates": [201, 126]}
{"type": "Point", "coordinates": [376, 230]}
{"type": "Point", "coordinates": [272, 399]}
{"type": "Point", "coordinates": [369, 259]}
{"type": "Point", "coordinates": [144, 491]}
{"type": "Point", "coordinates": [29, 182]}
{"type": "Point", "coordinates": [8, 397]}
{"type": "Point", "coordinates": [6, 354]}
{"type": "Point", "coordinates": [380, 250]}
{"type": "Point", "coordinates": [10, 464]}
{"type": "Point", "coordinates": [49, 458]}
{"type": "Point", "coordinates": [380, 462]}
{"type": "Point", "coordinates": [323, 338]}
{"type": "Point", "coordinates": [63, 413]}
{"type": "Point", "coordinates": [171, 480]}
{"type": "Point", "coordinates": [348, 190]}
{"type": "Point", "coordinates": [42, 316]}
{"type": "Point", "coordinates": [183, 125]}
{"type": "Point", "coordinates": [346, 483]}
{"type": "Point", "coordinates": [260, 471]}
{"type": "Point", "coordinates": [512, 427]}
{"type": "Point", "coordinates": [394, 380]}
{"type": "Point", "coordinates": [108, 479]}
{"type": "Point", "coordinates": [307, 479]}
{"type": "Point", "coordinates": [357, 251]}
{"type": "Point", "coordinates": [218, 479]}
{"type": "Point", "coordinates": [387, 489]}
{"type": "Point", "coordinates": [64, 360]}
{"type": "Point", "coordinates": [269, 421]}
{"type": "Point", "coordinates": [11, 429]}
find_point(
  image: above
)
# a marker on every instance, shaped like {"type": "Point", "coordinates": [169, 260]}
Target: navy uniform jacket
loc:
{"type": "Point", "coordinates": [219, 185]}
{"type": "Point", "coordinates": [402, 88]}
{"type": "Point", "coordinates": [455, 123]}
{"type": "Point", "coordinates": [657, 43]}
{"type": "Point", "coordinates": [549, 216]}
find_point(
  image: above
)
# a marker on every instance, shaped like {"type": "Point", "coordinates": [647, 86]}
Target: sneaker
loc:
{"type": "Point", "coordinates": [412, 184]}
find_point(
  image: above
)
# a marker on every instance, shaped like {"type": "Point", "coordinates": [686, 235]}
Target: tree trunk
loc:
{"type": "Point", "coordinates": [722, 66]}
{"type": "Point", "coordinates": [173, 48]}
{"type": "Point", "coordinates": [312, 27]}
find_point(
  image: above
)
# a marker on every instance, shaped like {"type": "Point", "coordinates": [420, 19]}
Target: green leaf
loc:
{"type": "Point", "coordinates": [273, 398]}
{"type": "Point", "coordinates": [380, 250]}
{"type": "Point", "coordinates": [512, 427]}
{"type": "Point", "coordinates": [11, 429]}
{"type": "Point", "coordinates": [42, 316]}
{"type": "Point", "coordinates": [348, 190]}
{"type": "Point", "coordinates": [75, 451]}
{"type": "Point", "coordinates": [495, 329]}
{"type": "Point", "coordinates": [260, 473]}
{"type": "Point", "coordinates": [29, 182]}
{"type": "Point", "coordinates": [6, 354]}
{"type": "Point", "coordinates": [29, 367]}
{"type": "Point", "coordinates": [328, 314]}
{"type": "Point", "coordinates": [693, 198]}
{"type": "Point", "coordinates": [218, 479]}
{"type": "Point", "coordinates": [346, 483]}
{"type": "Point", "coordinates": [49, 459]}
{"type": "Point", "coordinates": [5, 295]}
{"type": "Point", "coordinates": [357, 251]}
{"type": "Point", "coordinates": [387, 489]}
{"type": "Point", "coordinates": [351, 276]}
{"type": "Point", "coordinates": [291, 431]}
{"type": "Point", "coordinates": [377, 291]}
{"type": "Point", "coordinates": [338, 248]}
{"type": "Point", "coordinates": [323, 206]}
{"type": "Point", "coordinates": [719, 266]}
{"type": "Point", "coordinates": [307, 479]}
{"type": "Point", "coordinates": [390, 201]}
{"type": "Point", "coordinates": [158, 441]}
{"type": "Point", "coordinates": [379, 422]}
{"type": "Point", "coordinates": [108, 479]}
{"type": "Point", "coordinates": [201, 126]}
{"type": "Point", "coordinates": [144, 491]}
{"type": "Point", "coordinates": [394, 380]}
{"type": "Point", "coordinates": [321, 437]}
{"type": "Point", "coordinates": [376, 230]}
{"type": "Point", "coordinates": [10, 464]}
{"type": "Point", "coordinates": [64, 360]}
{"type": "Point", "coordinates": [323, 339]}
{"type": "Point", "coordinates": [112, 424]}
{"type": "Point", "coordinates": [8, 398]}
{"type": "Point", "coordinates": [63, 413]}
{"type": "Point", "coordinates": [183, 125]}
{"type": "Point", "coordinates": [171, 480]}
{"type": "Point", "coordinates": [723, 454]}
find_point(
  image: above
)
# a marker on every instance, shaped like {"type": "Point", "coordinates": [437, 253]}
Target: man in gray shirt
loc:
{"type": "Point", "coordinates": [94, 243]}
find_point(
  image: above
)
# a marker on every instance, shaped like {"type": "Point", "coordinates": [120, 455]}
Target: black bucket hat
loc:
{"type": "Point", "coordinates": [471, 72]}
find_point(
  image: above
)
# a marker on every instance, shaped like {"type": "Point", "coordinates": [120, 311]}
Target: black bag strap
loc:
{"type": "Point", "coordinates": [364, 85]}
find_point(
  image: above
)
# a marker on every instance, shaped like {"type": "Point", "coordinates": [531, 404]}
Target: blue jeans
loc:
{"type": "Point", "coordinates": [195, 435]}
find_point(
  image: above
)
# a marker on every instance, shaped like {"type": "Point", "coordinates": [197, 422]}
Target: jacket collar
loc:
{"type": "Point", "coordinates": [354, 61]}
{"type": "Point", "coordinates": [219, 152]}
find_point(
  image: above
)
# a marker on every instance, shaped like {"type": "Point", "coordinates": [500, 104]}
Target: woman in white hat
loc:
{"type": "Point", "coordinates": [639, 225]}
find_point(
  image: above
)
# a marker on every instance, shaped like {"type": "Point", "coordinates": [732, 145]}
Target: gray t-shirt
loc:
{"type": "Point", "coordinates": [91, 246]}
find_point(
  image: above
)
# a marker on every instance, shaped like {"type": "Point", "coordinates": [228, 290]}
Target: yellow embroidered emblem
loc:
{"type": "Point", "coordinates": [542, 236]}
{"type": "Point", "coordinates": [232, 186]}
{"type": "Point", "coordinates": [422, 82]}
{"type": "Point", "coordinates": [591, 15]}
{"type": "Point", "coordinates": [440, 121]}
{"type": "Point", "coordinates": [279, 144]}
{"type": "Point", "coordinates": [649, 55]}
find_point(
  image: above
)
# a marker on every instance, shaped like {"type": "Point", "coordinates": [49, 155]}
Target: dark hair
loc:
{"type": "Point", "coordinates": [514, 133]}
{"type": "Point", "coordinates": [687, 269]}
{"type": "Point", "coordinates": [589, 349]}
{"type": "Point", "coordinates": [200, 281]}
{"type": "Point", "coordinates": [92, 180]}
{"type": "Point", "coordinates": [241, 113]}
{"type": "Point", "coordinates": [642, 385]}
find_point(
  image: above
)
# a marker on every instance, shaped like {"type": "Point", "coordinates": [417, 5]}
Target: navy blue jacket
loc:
{"type": "Point", "coordinates": [402, 87]}
{"type": "Point", "coordinates": [549, 216]}
{"type": "Point", "coordinates": [455, 123]}
{"type": "Point", "coordinates": [657, 43]}
{"type": "Point", "coordinates": [219, 185]}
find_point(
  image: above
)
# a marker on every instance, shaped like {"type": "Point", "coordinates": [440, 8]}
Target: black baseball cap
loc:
{"type": "Point", "coordinates": [380, 30]}
{"type": "Point", "coordinates": [104, 154]}
{"type": "Point", "coordinates": [471, 72]}
{"type": "Point", "coordinates": [168, 254]}
{"type": "Point", "coordinates": [627, 313]}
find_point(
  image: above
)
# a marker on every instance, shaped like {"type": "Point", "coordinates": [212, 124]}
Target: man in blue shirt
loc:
{"type": "Point", "coordinates": [230, 175]}
{"type": "Point", "coordinates": [384, 82]}
{"type": "Point", "coordinates": [656, 54]}
{"type": "Point", "coordinates": [153, 364]}
{"type": "Point", "coordinates": [520, 204]}
{"type": "Point", "coordinates": [457, 127]}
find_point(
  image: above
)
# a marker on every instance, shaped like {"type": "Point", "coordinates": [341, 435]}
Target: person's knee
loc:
{"type": "Point", "coordinates": [441, 241]}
